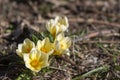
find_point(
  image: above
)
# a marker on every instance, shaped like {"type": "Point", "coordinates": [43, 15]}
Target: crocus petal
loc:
{"type": "Point", "coordinates": [57, 25]}
{"type": "Point", "coordinates": [19, 50]}
{"type": "Point", "coordinates": [45, 46]}
{"type": "Point", "coordinates": [61, 44]}
{"type": "Point", "coordinates": [36, 60]}
{"type": "Point", "coordinates": [26, 47]}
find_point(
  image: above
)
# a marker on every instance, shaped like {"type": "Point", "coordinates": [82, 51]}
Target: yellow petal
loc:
{"type": "Point", "coordinates": [60, 36]}
{"type": "Point", "coordinates": [65, 43]}
{"type": "Point", "coordinates": [61, 44]}
{"type": "Point", "coordinates": [57, 25]}
{"type": "Point", "coordinates": [39, 44]}
{"type": "Point", "coordinates": [62, 22]}
{"type": "Point", "coordinates": [26, 47]}
{"type": "Point", "coordinates": [45, 46]}
{"type": "Point", "coordinates": [36, 60]}
{"type": "Point", "coordinates": [19, 50]}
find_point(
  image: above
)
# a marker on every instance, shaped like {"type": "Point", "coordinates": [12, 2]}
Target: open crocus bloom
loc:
{"type": "Point", "coordinates": [35, 60]}
{"type": "Point", "coordinates": [45, 46]}
{"type": "Point", "coordinates": [57, 25]}
{"type": "Point", "coordinates": [61, 44]}
{"type": "Point", "coordinates": [26, 47]}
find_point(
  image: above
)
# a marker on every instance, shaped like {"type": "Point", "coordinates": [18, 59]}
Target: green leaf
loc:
{"type": "Point", "coordinates": [117, 67]}
{"type": "Point", "coordinates": [23, 77]}
{"type": "Point", "coordinates": [97, 70]}
{"type": "Point", "coordinates": [35, 39]}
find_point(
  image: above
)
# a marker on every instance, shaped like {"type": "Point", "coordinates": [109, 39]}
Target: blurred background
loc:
{"type": "Point", "coordinates": [89, 20]}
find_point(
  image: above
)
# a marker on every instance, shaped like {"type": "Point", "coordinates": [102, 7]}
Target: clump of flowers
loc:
{"type": "Point", "coordinates": [36, 56]}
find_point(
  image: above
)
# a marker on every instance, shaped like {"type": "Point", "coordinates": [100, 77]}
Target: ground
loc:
{"type": "Point", "coordinates": [94, 27]}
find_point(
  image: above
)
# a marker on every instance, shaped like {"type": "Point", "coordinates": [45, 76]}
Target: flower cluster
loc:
{"type": "Point", "coordinates": [36, 56]}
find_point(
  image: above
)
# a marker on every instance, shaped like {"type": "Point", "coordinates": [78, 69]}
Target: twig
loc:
{"type": "Point", "coordinates": [100, 33]}
{"type": "Point", "coordinates": [70, 61]}
{"type": "Point", "coordinates": [103, 23]}
{"type": "Point", "coordinates": [33, 7]}
{"type": "Point", "coordinates": [25, 22]}
{"type": "Point", "coordinates": [93, 21]}
{"type": "Point", "coordinates": [57, 68]}
{"type": "Point", "coordinates": [4, 35]}
{"type": "Point", "coordinates": [107, 42]}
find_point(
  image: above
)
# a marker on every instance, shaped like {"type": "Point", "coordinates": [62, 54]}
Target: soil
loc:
{"type": "Point", "coordinates": [94, 26]}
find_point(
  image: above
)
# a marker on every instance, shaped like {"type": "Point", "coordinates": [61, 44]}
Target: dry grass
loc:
{"type": "Point", "coordinates": [94, 29]}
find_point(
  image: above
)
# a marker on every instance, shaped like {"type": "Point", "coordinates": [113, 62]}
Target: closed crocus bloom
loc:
{"type": "Point", "coordinates": [45, 46]}
{"type": "Point", "coordinates": [36, 60]}
{"type": "Point", "coordinates": [57, 25]}
{"type": "Point", "coordinates": [26, 47]}
{"type": "Point", "coordinates": [61, 44]}
{"type": "Point", "coordinates": [52, 28]}
{"type": "Point", "coordinates": [62, 23]}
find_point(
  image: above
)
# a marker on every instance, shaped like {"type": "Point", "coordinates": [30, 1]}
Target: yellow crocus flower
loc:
{"type": "Point", "coordinates": [62, 22]}
{"type": "Point", "coordinates": [36, 60]}
{"type": "Point", "coordinates": [45, 46]}
{"type": "Point", "coordinates": [57, 25]}
{"type": "Point", "coordinates": [52, 28]}
{"type": "Point", "coordinates": [61, 44]}
{"type": "Point", "coordinates": [26, 47]}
